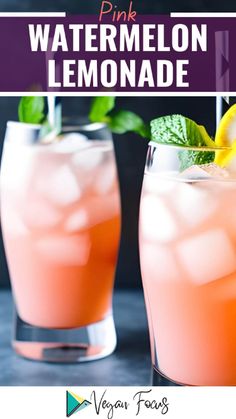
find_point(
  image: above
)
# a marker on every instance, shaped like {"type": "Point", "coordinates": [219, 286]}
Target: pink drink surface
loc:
{"type": "Point", "coordinates": [188, 264]}
{"type": "Point", "coordinates": [60, 214]}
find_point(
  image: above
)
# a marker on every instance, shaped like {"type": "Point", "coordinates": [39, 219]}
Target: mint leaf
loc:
{"type": "Point", "coordinates": [145, 131]}
{"type": "Point", "coordinates": [100, 107]}
{"type": "Point", "coordinates": [189, 158]}
{"type": "Point", "coordinates": [31, 109]}
{"type": "Point", "coordinates": [181, 131]}
{"type": "Point", "coordinates": [125, 121]}
{"type": "Point", "coordinates": [178, 130]}
{"type": "Point", "coordinates": [119, 122]}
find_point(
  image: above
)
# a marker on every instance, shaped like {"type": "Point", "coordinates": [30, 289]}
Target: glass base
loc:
{"type": "Point", "coordinates": [87, 343]}
{"type": "Point", "coordinates": [159, 379]}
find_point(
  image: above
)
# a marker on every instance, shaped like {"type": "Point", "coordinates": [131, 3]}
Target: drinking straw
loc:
{"type": "Point", "coordinates": [51, 100]}
{"type": "Point", "coordinates": [54, 113]}
{"type": "Point", "coordinates": [54, 118]}
{"type": "Point", "coordinates": [222, 105]}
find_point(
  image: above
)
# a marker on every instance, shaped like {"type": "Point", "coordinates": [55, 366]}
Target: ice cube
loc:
{"type": "Point", "coordinates": [228, 213]}
{"type": "Point", "coordinates": [231, 167]}
{"type": "Point", "coordinates": [159, 263]}
{"type": "Point", "coordinates": [62, 187]}
{"type": "Point", "coordinates": [70, 143]}
{"type": "Point", "coordinates": [214, 170]}
{"type": "Point", "coordinates": [77, 220]}
{"type": "Point", "coordinates": [159, 184]}
{"type": "Point", "coordinates": [105, 179]}
{"type": "Point", "coordinates": [65, 250]}
{"type": "Point", "coordinates": [13, 224]}
{"type": "Point", "coordinates": [88, 159]}
{"type": "Point", "coordinates": [203, 172]}
{"type": "Point", "coordinates": [207, 256]}
{"type": "Point", "coordinates": [17, 168]}
{"type": "Point", "coordinates": [40, 214]}
{"type": "Point", "coordinates": [225, 288]}
{"type": "Point", "coordinates": [103, 209]}
{"type": "Point", "coordinates": [157, 222]}
{"type": "Point", "coordinates": [194, 203]}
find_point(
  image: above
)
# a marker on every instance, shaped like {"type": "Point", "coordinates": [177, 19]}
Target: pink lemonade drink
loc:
{"type": "Point", "coordinates": [188, 264]}
{"type": "Point", "coordinates": [60, 214]}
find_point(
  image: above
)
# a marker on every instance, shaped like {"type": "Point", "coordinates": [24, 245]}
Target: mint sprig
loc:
{"type": "Point", "coordinates": [190, 158]}
{"type": "Point", "coordinates": [31, 109]}
{"type": "Point", "coordinates": [178, 130]}
{"type": "Point", "coordinates": [119, 122]}
{"type": "Point", "coordinates": [181, 131]}
{"type": "Point", "coordinates": [123, 121]}
{"type": "Point", "coordinates": [100, 107]}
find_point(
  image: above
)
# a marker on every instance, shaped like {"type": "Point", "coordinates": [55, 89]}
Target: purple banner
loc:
{"type": "Point", "coordinates": [147, 54]}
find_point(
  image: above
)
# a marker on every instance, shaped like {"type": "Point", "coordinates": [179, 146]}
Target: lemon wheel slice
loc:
{"type": "Point", "coordinates": [226, 137]}
{"type": "Point", "coordinates": [207, 139]}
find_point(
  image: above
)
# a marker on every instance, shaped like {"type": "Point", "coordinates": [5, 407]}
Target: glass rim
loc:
{"type": "Point", "coordinates": [170, 176]}
{"type": "Point", "coordinates": [52, 148]}
{"type": "Point", "coordinates": [190, 148]}
{"type": "Point", "coordinates": [23, 124]}
{"type": "Point", "coordinates": [74, 123]}
{"type": "Point", "coordinates": [70, 124]}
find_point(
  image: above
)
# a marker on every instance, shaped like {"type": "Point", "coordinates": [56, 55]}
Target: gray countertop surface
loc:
{"type": "Point", "coordinates": [129, 365]}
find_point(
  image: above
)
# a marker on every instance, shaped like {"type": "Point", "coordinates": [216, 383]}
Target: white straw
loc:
{"type": "Point", "coordinates": [220, 102]}
{"type": "Point", "coordinates": [54, 114]}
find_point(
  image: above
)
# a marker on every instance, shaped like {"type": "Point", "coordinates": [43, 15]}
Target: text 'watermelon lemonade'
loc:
{"type": "Point", "coordinates": [188, 252]}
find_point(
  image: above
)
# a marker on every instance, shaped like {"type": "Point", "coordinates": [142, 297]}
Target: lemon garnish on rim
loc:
{"type": "Point", "coordinates": [206, 137]}
{"type": "Point", "coordinates": [226, 137]}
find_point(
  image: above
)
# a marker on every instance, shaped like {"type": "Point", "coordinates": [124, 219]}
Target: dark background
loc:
{"type": "Point", "coordinates": [130, 149]}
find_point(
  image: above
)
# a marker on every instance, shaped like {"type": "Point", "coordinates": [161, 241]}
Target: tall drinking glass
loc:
{"type": "Point", "coordinates": [60, 211]}
{"type": "Point", "coordinates": [188, 263]}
